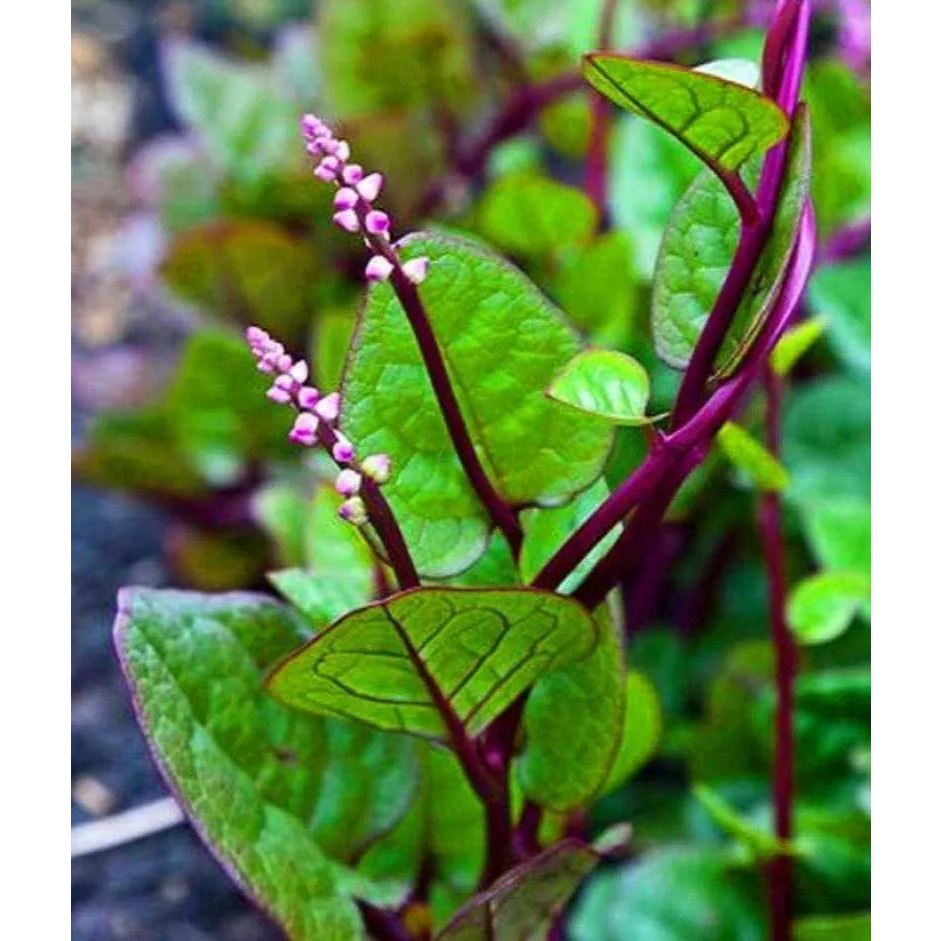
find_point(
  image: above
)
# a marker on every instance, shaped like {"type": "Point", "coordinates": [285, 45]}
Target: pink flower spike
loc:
{"type": "Point", "coordinates": [353, 511]}
{"type": "Point", "coordinates": [279, 395]}
{"type": "Point", "coordinates": [284, 382]}
{"type": "Point", "coordinates": [328, 408]}
{"type": "Point", "coordinates": [265, 366]}
{"type": "Point", "coordinates": [256, 336]}
{"type": "Point", "coordinates": [377, 222]}
{"type": "Point", "coordinates": [346, 219]}
{"type": "Point", "coordinates": [346, 198]}
{"type": "Point", "coordinates": [378, 268]}
{"type": "Point", "coordinates": [343, 451]}
{"type": "Point", "coordinates": [348, 482]}
{"type": "Point", "coordinates": [304, 430]}
{"type": "Point", "coordinates": [370, 187]}
{"type": "Point", "coordinates": [416, 270]}
{"type": "Point", "coordinates": [341, 150]}
{"type": "Point", "coordinates": [325, 173]}
{"type": "Point", "coordinates": [352, 174]}
{"type": "Point", "coordinates": [312, 126]}
{"type": "Point", "coordinates": [308, 397]}
{"type": "Point", "coordinates": [284, 362]}
{"type": "Point", "coordinates": [378, 467]}
{"type": "Point", "coordinates": [299, 372]}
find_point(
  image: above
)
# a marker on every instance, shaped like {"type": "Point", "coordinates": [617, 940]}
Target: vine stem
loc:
{"type": "Point", "coordinates": [786, 661]}
{"type": "Point", "coordinates": [596, 158]}
{"type": "Point", "coordinates": [500, 512]}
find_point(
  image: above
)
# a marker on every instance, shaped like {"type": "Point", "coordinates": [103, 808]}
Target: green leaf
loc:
{"type": "Point", "coordinates": [722, 122]}
{"type": "Point", "coordinates": [842, 296]}
{"type": "Point", "coordinates": [674, 894]}
{"type": "Point", "coordinates": [650, 171]}
{"type": "Point", "coordinates": [249, 272]}
{"type": "Point", "coordinates": [794, 343]}
{"type": "Point", "coordinates": [833, 928]}
{"type": "Point", "coordinates": [762, 844]}
{"type": "Point", "coordinates": [393, 663]}
{"type": "Point", "coordinates": [545, 530]}
{"type": "Point", "coordinates": [826, 440]}
{"type": "Point", "coordinates": [194, 664]}
{"type": "Point", "coordinates": [605, 383]}
{"type": "Point", "coordinates": [822, 607]}
{"type": "Point", "coordinates": [643, 729]}
{"type": "Point", "coordinates": [532, 215]}
{"type": "Point", "coordinates": [425, 45]}
{"type": "Point", "coordinates": [572, 724]}
{"type": "Point", "coordinates": [840, 534]}
{"type": "Point", "coordinates": [244, 121]}
{"type": "Point", "coordinates": [524, 901]}
{"type": "Point", "coordinates": [759, 466]}
{"type": "Point", "coordinates": [597, 287]}
{"type": "Point", "coordinates": [696, 254]}
{"type": "Point", "coordinates": [478, 305]}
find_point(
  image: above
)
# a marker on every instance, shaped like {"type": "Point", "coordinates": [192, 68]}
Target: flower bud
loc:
{"type": "Point", "coordinates": [353, 511]}
{"type": "Point", "coordinates": [416, 270]}
{"type": "Point", "coordinates": [370, 187]}
{"type": "Point", "coordinates": [346, 198]}
{"type": "Point", "coordinates": [346, 219]}
{"type": "Point", "coordinates": [378, 467]}
{"type": "Point", "coordinates": [304, 430]}
{"type": "Point", "coordinates": [352, 174]}
{"type": "Point", "coordinates": [343, 451]}
{"type": "Point", "coordinates": [348, 482]}
{"type": "Point", "coordinates": [378, 268]}
{"type": "Point", "coordinates": [377, 222]}
{"type": "Point", "coordinates": [308, 397]}
{"type": "Point", "coordinates": [328, 408]}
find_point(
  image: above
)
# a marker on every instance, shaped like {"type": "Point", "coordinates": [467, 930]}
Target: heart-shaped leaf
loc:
{"type": "Point", "coordinates": [503, 342]}
{"type": "Point", "coordinates": [606, 383]}
{"type": "Point", "coordinates": [572, 725]}
{"type": "Point", "coordinates": [260, 782]}
{"type": "Point", "coordinates": [759, 466]}
{"type": "Point", "coordinates": [722, 122]}
{"type": "Point", "coordinates": [522, 903]}
{"type": "Point", "coordinates": [696, 254]}
{"type": "Point", "coordinates": [402, 663]}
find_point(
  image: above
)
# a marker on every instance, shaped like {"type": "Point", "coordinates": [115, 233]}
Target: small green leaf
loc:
{"type": "Point", "coordinates": [760, 467]}
{"type": "Point", "coordinates": [822, 607]}
{"type": "Point", "coordinates": [394, 663]}
{"type": "Point", "coordinates": [840, 533]}
{"type": "Point", "coordinates": [244, 121]}
{"type": "Point", "coordinates": [605, 383]}
{"type": "Point", "coordinates": [531, 215]}
{"type": "Point", "coordinates": [833, 928]}
{"type": "Point", "coordinates": [503, 343]}
{"type": "Point", "coordinates": [544, 531]}
{"type": "Point", "coordinates": [794, 343]}
{"type": "Point", "coordinates": [696, 254]}
{"type": "Point", "coordinates": [722, 122]}
{"type": "Point", "coordinates": [761, 843]}
{"type": "Point", "coordinates": [572, 724]}
{"type": "Point", "coordinates": [194, 664]}
{"type": "Point", "coordinates": [524, 901]}
{"type": "Point", "coordinates": [643, 729]}
{"type": "Point", "coordinates": [842, 296]}
{"type": "Point", "coordinates": [672, 894]}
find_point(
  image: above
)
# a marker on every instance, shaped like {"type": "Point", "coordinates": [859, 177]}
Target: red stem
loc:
{"type": "Point", "coordinates": [596, 159]}
{"type": "Point", "coordinates": [772, 540]}
{"type": "Point", "coordinates": [501, 513]}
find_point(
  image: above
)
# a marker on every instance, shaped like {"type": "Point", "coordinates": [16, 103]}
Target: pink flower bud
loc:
{"type": "Point", "coordinates": [279, 395]}
{"type": "Point", "coordinates": [304, 430]}
{"type": "Point", "coordinates": [299, 372]}
{"type": "Point", "coordinates": [265, 366]}
{"type": "Point", "coordinates": [284, 382]}
{"type": "Point", "coordinates": [370, 187]}
{"type": "Point", "coordinates": [416, 270]}
{"type": "Point", "coordinates": [312, 126]}
{"type": "Point", "coordinates": [328, 408]}
{"type": "Point", "coordinates": [256, 336]}
{"type": "Point", "coordinates": [346, 219]}
{"type": "Point", "coordinates": [348, 482]}
{"type": "Point", "coordinates": [352, 174]}
{"type": "Point", "coordinates": [346, 198]}
{"type": "Point", "coordinates": [378, 268]}
{"type": "Point", "coordinates": [353, 511]}
{"type": "Point", "coordinates": [308, 397]}
{"type": "Point", "coordinates": [377, 222]}
{"type": "Point", "coordinates": [343, 451]}
{"type": "Point", "coordinates": [341, 151]}
{"type": "Point", "coordinates": [378, 467]}
{"type": "Point", "coordinates": [284, 362]}
{"type": "Point", "coordinates": [325, 173]}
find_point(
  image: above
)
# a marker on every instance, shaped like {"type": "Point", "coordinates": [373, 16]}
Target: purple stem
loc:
{"type": "Point", "coordinates": [596, 159]}
{"type": "Point", "coordinates": [780, 871]}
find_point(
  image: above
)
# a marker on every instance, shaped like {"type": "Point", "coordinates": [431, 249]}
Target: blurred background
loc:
{"type": "Point", "coordinates": [194, 213]}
